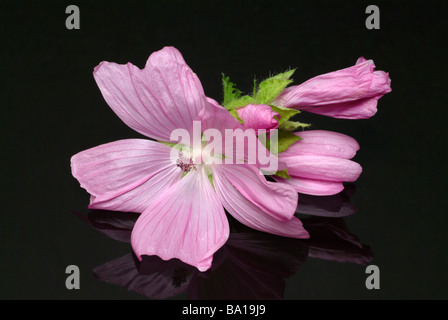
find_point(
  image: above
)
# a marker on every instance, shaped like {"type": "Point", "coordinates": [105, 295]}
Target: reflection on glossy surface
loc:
{"type": "Point", "coordinates": [338, 205]}
{"type": "Point", "coordinates": [251, 265]}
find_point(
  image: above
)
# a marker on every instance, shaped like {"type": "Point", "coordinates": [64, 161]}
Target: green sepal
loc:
{"type": "Point", "coordinates": [283, 174]}
{"type": "Point", "coordinates": [240, 102]}
{"type": "Point", "coordinates": [293, 125]}
{"type": "Point", "coordinates": [270, 88]}
{"type": "Point", "coordinates": [285, 139]}
{"type": "Point", "coordinates": [230, 92]}
{"type": "Point", "coordinates": [235, 114]}
{"type": "Point", "coordinates": [285, 113]}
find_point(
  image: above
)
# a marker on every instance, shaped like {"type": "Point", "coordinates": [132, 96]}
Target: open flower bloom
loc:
{"type": "Point", "coordinates": [181, 201]}
{"type": "Point", "coordinates": [319, 163]}
{"type": "Point", "coordinates": [350, 93]}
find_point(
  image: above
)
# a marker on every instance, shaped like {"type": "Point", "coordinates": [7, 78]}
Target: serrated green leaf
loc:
{"type": "Point", "coordinates": [285, 113]}
{"type": "Point", "coordinates": [270, 88]}
{"type": "Point", "coordinates": [240, 102]}
{"type": "Point", "coordinates": [283, 174]}
{"type": "Point", "coordinates": [230, 91]}
{"type": "Point", "coordinates": [284, 75]}
{"type": "Point", "coordinates": [292, 125]}
{"type": "Point", "coordinates": [285, 139]}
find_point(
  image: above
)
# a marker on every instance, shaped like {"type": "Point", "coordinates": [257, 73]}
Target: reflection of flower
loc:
{"type": "Point", "coordinates": [338, 205]}
{"type": "Point", "coordinates": [251, 265]}
{"type": "Point", "coordinates": [350, 93]}
{"type": "Point", "coordinates": [182, 204]}
{"type": "Point", "coordinates": [330, 239]}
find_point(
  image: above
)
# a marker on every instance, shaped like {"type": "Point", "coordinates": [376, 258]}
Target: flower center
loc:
{"type": "Point", "coordinates": [185, 163]}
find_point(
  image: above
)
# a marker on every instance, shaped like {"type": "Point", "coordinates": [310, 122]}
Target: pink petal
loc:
{"type": "Point", "coordinates": [216, 117]}
{"type": "Point", "coordinates": [248, 213]}
{"type": "Point", "coordinates": [322, 168]}
{"type": "Point", "coordinates": [125, 175]}
{"type": "Point", "coordinates": [186, 222]}
{"type": "Point", "coordinates": [324, 143]}
{"type": "Point", "coordinates": [313, 187]}
{"type": "Point", "coordinates": [164, 96]}
{"type": "Point", "coordinates": [258, 116]}
{"type": "Point", "coordinates": [359, 109]}
{"type": "Point", "coordinates": [350, 93]}
{"type": "Point", "coordinates": [275, 199]}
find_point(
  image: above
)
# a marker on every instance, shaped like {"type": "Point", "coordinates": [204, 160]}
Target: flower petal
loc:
{"type": "Point", "coordinates": [275, 199]}
{"type": "Point", "coordinates": [322, 168]}
{"type": "Point", "coordinates": [358, 109]}
{"type": "Point", "coordinates": [248, 213]}
{"type": "Point", "coordinates": [164, 96]}
{"type": "Point", "coordinates": [125, 175]}
{"type": "Point", "coordinates": [186, 222]}
{"type": "Point", "coordinates": [324, 143]}
{"type": "Point", "coordinates": [313, 187]}
{"type": "Point", "coordinates": [350, 93]}
{"type": "Point", "coordinates": [238, 144]}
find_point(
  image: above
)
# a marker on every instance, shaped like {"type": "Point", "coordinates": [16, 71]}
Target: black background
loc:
{"type": "Point", "coordinates": [52, 109]}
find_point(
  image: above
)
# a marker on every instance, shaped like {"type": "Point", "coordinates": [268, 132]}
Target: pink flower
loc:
{"type": "Point", "coordinates": [350, 93]}
{"type": "Point", "coordinates": [259, 116]}
{"type": "Point", "coordinates": [182, 213]}
{"type": "Point", "coordinates": [319, 163]}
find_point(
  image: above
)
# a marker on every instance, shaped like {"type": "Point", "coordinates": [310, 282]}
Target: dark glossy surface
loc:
{"type": "Point", "coordinates": [52, 109]}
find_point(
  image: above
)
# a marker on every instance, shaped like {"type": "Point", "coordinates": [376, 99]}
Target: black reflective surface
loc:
{"type": "Point", "coordinates": [251, 265]}
{"type": "Point", "coordinates": [51, 109]}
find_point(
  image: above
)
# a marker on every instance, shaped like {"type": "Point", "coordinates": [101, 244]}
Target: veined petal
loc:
{"type": "Point", "coordinates": [164, 96]}
{"type": "Point", "coordinates": [324, 143]}
{"type": "Point", "coordinates": [358, 109]}
{"type": "Point", "coordinates": [249, 214]}
{"type": "Point", "coordinates": [238, 144]}
{"type": "Point", "coordinates": [313, 187]}
{"type": "Point", "coordinates": [275, 199]}
{"type": "Point", "coordinates": [125, 175]}
{"type": "Point", "coordinates": [350, 93]}
{"type": "Point", "coordinates": [186, 222]}
{"type": "Point", "coordinates": [343, 85]}
{"type": "Point", "coordinates": [322, 168]}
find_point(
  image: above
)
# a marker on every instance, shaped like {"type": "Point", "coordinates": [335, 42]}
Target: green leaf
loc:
{"type": "Point", "coordinates": [285, 139]}
{"type": "Point", "coordinates": [240, 102]}
{"type": "Point", "coordinates": [285, 113]}
{"type": "Point", "coordinates": [283, 76]}
{"type": "Point", "coordinates": [230, 92]}
{"type": "Point", "coordinates": [270, 88]}
{"type": "Point", "coordinates": [235, 114]}
{"type": "Point", "coordinates": [283, 174]}
{"type": "Point", "coordinates": [293, 125]}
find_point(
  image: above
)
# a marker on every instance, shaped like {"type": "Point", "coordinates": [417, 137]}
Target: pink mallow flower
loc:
{"type": "Point", "coordinates": [258, 116]}
{"type": "Point", "coordinates": [319, 163]}
{"type": "Point", "coordinates": [350, 93]}
{"type": "Point", "coordinates": [182, 212]}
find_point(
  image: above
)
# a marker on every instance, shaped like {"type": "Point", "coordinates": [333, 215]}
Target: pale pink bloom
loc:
{"type": "Point", "coordinates": [319, 163]}
{"type": "Point", "coordinates": [259, 116]}
{"type": "Point", "coordinates": [182, 213]}
{"type": "Point", "coordinates": [350, 93]}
